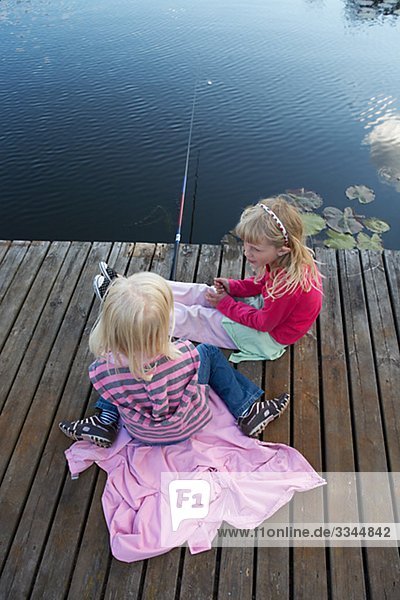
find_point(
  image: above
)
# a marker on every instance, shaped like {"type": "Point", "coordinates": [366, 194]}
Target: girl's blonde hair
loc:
{"type": "Point", "coordinates": [135, 321]}
{"type": "Point", "coordinates": [290, 270]}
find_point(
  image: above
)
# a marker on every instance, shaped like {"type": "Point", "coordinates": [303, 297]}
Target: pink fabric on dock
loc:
{"type": "Point", "coordinates": [262, 478]}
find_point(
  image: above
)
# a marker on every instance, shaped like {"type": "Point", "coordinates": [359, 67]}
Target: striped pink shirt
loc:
{"type": "Point", "coordinates": [169, 408]}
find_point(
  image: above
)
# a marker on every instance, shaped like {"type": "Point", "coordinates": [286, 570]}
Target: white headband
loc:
{"type": "Point", "coordinates": [277, 221]}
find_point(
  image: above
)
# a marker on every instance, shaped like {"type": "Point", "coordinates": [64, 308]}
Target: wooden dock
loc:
{"type": "Point", "coordinates": [344, 416]}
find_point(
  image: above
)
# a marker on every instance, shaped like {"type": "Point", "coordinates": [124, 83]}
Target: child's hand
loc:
{"type": "Point", "coordinates": [214, 297]}
{"type": "Point", "coordinates": [221, 284]}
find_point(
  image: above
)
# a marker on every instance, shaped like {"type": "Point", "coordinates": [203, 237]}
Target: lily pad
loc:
{"type": "Point", "coordinates": [313, 223]}
{"type": "Point", "coordinates": [339, 241]}
{"type": "Point", "coordinates": [342, 222]}
{"type": "Point", "coordinates": [303, 199]}
{"type": "Point", "coordinates": [376, 225]}
{"type": "Point", "coordinates": [364, 242]}
{"type": "Point", "coordinates": [362, 193]}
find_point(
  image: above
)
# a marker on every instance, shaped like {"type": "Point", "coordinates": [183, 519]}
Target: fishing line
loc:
{"type": "Point", "coordinates": [196, 179]}
{"type": "Point", "coordinates": [182, 204]}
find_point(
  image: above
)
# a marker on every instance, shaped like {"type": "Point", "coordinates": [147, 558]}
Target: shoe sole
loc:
{"type": "Point", "coordinates": [86, 437]}
{"type": "Point", "coordinates": [260, 428]}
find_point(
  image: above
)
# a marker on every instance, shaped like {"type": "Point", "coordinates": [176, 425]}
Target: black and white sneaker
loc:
{"type": "Point", "coordinates": [261, 413]}
{"type": "Point", "coordinates": [100, 286]}
{"type": "Point", "coordinates": [107, 272]}
{"type": "Point", "coordinates": [92, 430]}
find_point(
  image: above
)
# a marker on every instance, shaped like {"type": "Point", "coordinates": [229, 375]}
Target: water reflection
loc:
{"type": "Point", "coordinates": [384, 141]}
{"type": "Point", "coordinates": [359, 11]}
{"type": "Point", "coordinates": [383, 120]}
{"type": "Point", "coordinates": [95, 103]}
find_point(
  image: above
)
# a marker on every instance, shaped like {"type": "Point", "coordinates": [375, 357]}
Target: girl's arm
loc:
{"type": "Point", "coordinates": [265, 319]}
{"type": "Point", "coordinates": [244, 288]}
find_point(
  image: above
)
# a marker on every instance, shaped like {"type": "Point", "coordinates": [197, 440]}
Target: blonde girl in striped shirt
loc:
{"type": "Point", "coordinates": [156, 387]}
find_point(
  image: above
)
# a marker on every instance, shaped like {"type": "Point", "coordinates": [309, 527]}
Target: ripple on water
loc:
{"type": "Point", "coordinates": [96, 99]}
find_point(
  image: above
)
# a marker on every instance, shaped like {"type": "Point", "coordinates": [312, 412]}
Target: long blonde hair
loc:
{"type": "Point", "coordinates": [135, 321]}
{"type": "Point", "coordinates": [296, 268]}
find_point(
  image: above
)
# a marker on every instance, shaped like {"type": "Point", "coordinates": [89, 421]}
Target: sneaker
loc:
{"type": "Point", "coordinates": [100, 286]}
{"type": "Point", "coordinates": [107, 271]}
{"type": "Point", "coordinates": [261, 413]}
{"type": "Point", "coordinates": [90, 429]}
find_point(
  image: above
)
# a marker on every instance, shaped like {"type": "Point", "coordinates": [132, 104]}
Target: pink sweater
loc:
{"type": "Point", "coordinates": [286, 319]}
{"type": "Point", "coordinates": [169, 408]}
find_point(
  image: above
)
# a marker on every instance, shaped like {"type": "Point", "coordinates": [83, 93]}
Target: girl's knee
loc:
{"type": "Point", "coordinates": [209, 348]}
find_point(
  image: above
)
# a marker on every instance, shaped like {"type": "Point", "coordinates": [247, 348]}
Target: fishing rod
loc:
{"type": "Point", "coordinates": [196, 179]}
{"type": "Point", "coordinates": [178, 231]}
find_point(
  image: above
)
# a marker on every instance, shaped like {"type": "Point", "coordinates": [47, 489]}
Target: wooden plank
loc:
{"type": "Point", "coordinates": [386, 351]}
{"type": "Point", "coordinates": [273, 563]}
{"type": "Point", "coordinates": [19, 337]}
{"type": "Point", "coordinates": [12, 255]}
{"type": "Point", "coordinates": [339, 454]}
{"type": "Point", "coordinates": [232, 261]}
{"type": "Point", "coordinates": [198, 575]}
{"type": "Point", "coordinates": [20, 286]}
{"type": "Point", "coordinates": [199, 569]}
{"type": "Point", "coordinates": [65, 525]}
{"type": "Point", "coordinates": [254, 371]}
{"type": "Point", "coordinates": [307, 439]}
{"type": "Point", "coordinates": [365, 401]}
{"type": "Point", "coordinates": [18, 401]}
{"type": "Point", "coordinates": [236, 573]}
{"type": "Point", "coordinates": [162, 260]}
{"type": "Point", "coordinates": [94, 555]}
{"type": "Point", "coordinates": [209, 260]}
{"type": "Point", "coordinates": [30, 521]}
{"type": "Point", "coordinates": [45, 540]}
{"type": "Point", "coordinates": [187, 262]}
{"type": "Point", "coordinates": [162, 574]}
{"type": "Point", "coordinates": [236, 566]}
{"type": "Point", "coordinates": [141, 258]}
{"type": "Point", "coordinates": [383, 568]}
{"type": "Point", "coordinates": [346, 564]}
{"type": "Point", "coordinates": [277, 381]}
{"type": "Point", "coordinates": [4, 246]}
{"type": "Point", "coordinates": [124, 580]}
{"type": "Point", "coordinates": [306, 401]}
{"type": "Point", "coordinates": [386, 356]}
{"type": "Point", "coordinates": [392, 263]}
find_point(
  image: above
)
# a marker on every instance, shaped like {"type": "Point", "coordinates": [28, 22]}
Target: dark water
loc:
{"type": "Point", "coordinates": [95, 104]}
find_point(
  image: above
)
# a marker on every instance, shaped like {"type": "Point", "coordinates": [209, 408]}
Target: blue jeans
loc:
{"type": "Point", "coordinates": [237, 392]}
